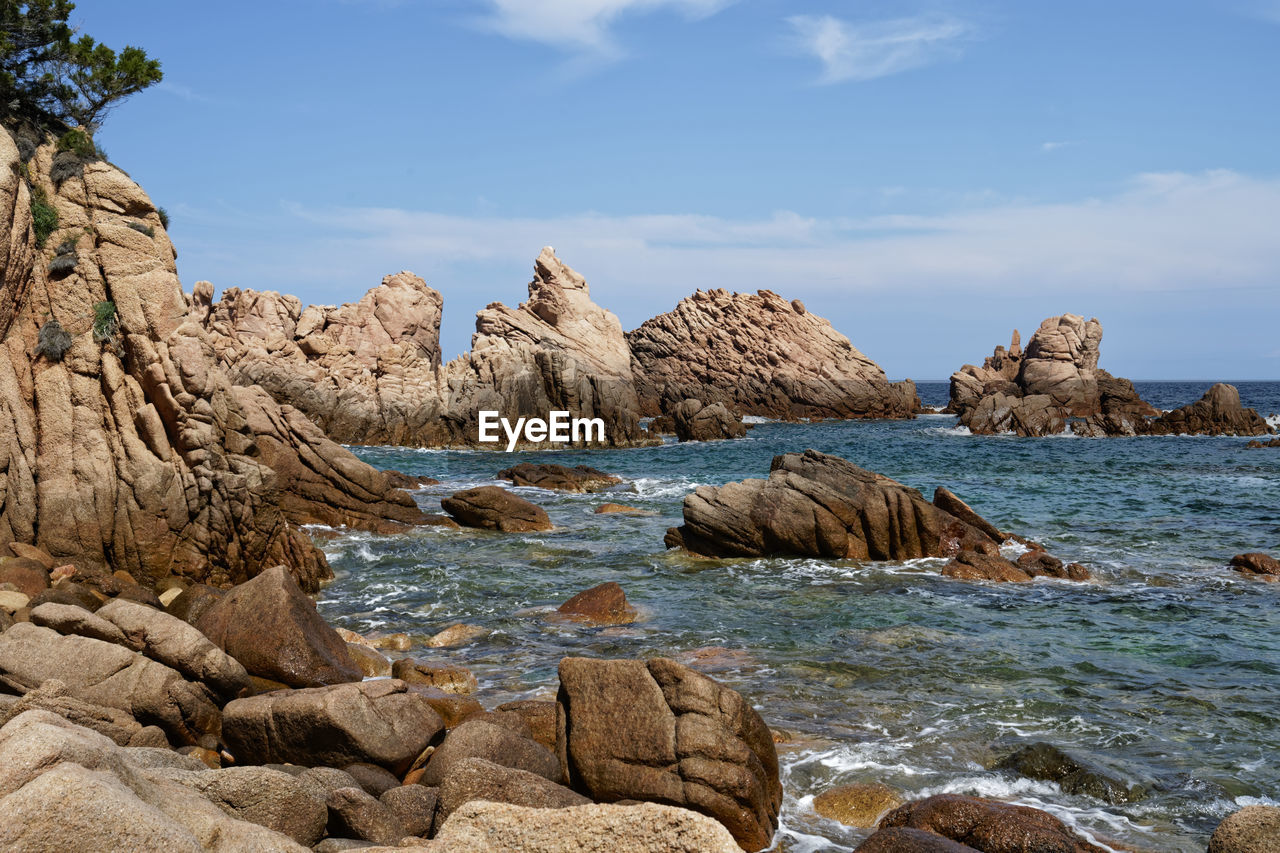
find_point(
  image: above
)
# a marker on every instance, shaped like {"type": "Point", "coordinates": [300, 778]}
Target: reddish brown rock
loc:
{"type": "Point", "coordinates": [971, 566]}
{"type": "Point", "coordinates": [580, 478]}
{"type": "Point", "coordinates": [1256, 563]}
{"type": "Point", "coordinates": [605, 604]}
{"type": "Point", "coordinates": [759, 354]}
{"type": "Point", "coordinates": [659, 732]}
{"type": "Point", "coordinates": [697, 422]}
{"type": "Point", "coordinates": [620, 509]}
{"type": "Point", "coordinates": [818, 505]}
{"type": "Point", "coordinates": [987, 826]}
{"type": "Point", "coordinates": [29, 576]}
{"type": "Point", "coordinates": [1218, 412]}
{"type": "Point", "coordinates": [494, 508]}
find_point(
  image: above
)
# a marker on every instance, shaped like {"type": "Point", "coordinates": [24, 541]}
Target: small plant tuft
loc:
{"type": "Point", "coordinates": [63, 264]}
{"type": "Point", "coordinates": [66, 247]}
{"type": "Point", "coordinates": [53, 341]}
{"type": "Point", "coordinates": [105, 323]}
{"type": "Point", "coordinates": [77, 142]}
{"type": "Point", "coordinates": [26, 147]}
{"type": "Point", "coordinates": [65, 167]}
{"type": "Point", "coordinates": [141, 227]}
{"type": "Point", "coordinates": [164, 217]}
{"type": "Point", "coordinates": [44, 218]}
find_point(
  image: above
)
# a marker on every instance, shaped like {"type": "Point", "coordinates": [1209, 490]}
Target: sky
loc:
{"type": "Point", "coordinates": [928, 176]}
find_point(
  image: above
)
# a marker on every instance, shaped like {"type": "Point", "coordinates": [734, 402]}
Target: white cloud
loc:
{"type": "Point", "coordinates": [581, 25]}
{"type": "Point", "coordinates": [865, 51]}
{"type": "Point", "coordinates": [1171, 231]}
{"type": "Point", "coordinates": [1054, 146]}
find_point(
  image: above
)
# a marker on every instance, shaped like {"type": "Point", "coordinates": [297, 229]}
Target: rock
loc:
{"type": "Point", "coordinates": [193, 601]}
{"type": "Point", "coordinates": [481, 739]}
{"type": "Point", "coordinates": [398, 642]}
{"type": "Point", "coordinates": [270, 626]}
{"type": "Point", "coordinates": [816, 505]}
{"type": "Point", "coordinates": [1258, 445]}
{"type": "Point", "coordinates": [494, 508]}
{"type": "Point", "coordinates": [354, 813]}
{"type": "Point", "coordinates": [608, 508]}
{"type": "Point", "coordinates": [482, 827]}
{"type": "Point", "coordinates": [539, 715]}
{"type": "Point", "coordinates": [457, 635]}
{"type": "Point", "coordinates": [1054, 383]}
{"type": "Point", "coordinates": [378, 722]}
{"type": "Point", "coordinates": [1252, 829]}
{"type": "Point", "coordinates": [12, 602]}
{"type": "Point", "coordinates": [758, 354]}
{"type": "Point", "coordinates": [859, 805]}
{"type": "Point", "coordinates": [31, 552]}
{"type": "Point", "coordinates": [409, 481]}
{"type": "Point", "coordinates": [896, 840]}
{"type": "Point", "coordinates": [370, 662]}
{"type": "Point", "coordinates": [70, 619]}
{"type": "Point", "coordinates": [112, 723]}
{"type": "Point", "coordinates": [452, 707]}
{"type": "Point", "coordinates": [266, 797]}
{"type": "Point", "coordinates": [167, 597]}
{"type": "Point", "coordinates": [450, 679]}
{"type": "Point", "coordinates": [580, 478]}
{"type": "Point", "coordinates": [413, 806]}
{"type": "Point", "coordinates": [973, 566]}
{"type": "Point", "coordinates": [1047, 762]}
{"type": "Point", "coordinates": [370, 372]}
{"type": "Point", "coordinates": [697, 422]}
{"type": "Point", "coordinates": [1218, 412]}
{"type": "Point", "coordinates": [372, 778]}
{"type": "Point", "coordinates": [988, 826]}
{"type": "Point", "coordinates": [321, 780]}
{"type": "Point", "coordinates": [658, 731]}
{"type": "Point", "coordinates": [946, 500]}
{"type": "Point", "coordinates": [68, 592]}
{"type": "Point", "coordinates": [1256, 563]}
{"type": "Point", "coordinates": [605, 604]}
{"type": "Point", "coordinates": [31, 577]}
{"type": "Point", "coordinates": [176, 644]}
{"type": "Point", "coordinates": [109, 675]}
{"type": "Point", "coordinates": [138, 454]}
{"type": "Point", "coordinates": [477, 779]}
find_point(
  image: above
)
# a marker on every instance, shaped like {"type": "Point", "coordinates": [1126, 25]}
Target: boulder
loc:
{"type": "Point", "coordinates": [580, 478]}
{"type": "Point", "coordinates": [947, 501]}
{"type": "Point", "coordinates": [1218, 412]}
{"type": "Point", "coordinates": [1258, 445]}
{"type": "Point", "coordinates": [1252, 829]}
{"type": "Point", "coordinates": [192, 602]}
{"type": "Point", "coordinates": [483, 827]}
{"type": "Point", "coordinates": [109, 675]}
{"type": "Point", "coordinates": [456, 635]}
{"type": "Point", "coordinates": [974, 566]}
{"type": "Point", "coordinates": [31, 577]}
{"type": "Point", "coordinates": [378, 722]}
{"type": "Point", "coordinates": [269, 798]}
{"type": "Point", "coordinates": [372, 778]}
{"type": "Point", "coordinates": [483, 739]}
{"type": "Point", "coordinates": [623, 509]}
{"type": "Point", "coordinates": [477, 779]}
{"type": "Point", "coordinates": [68, 592]}
{"type": "Point", "coordinates": [897, 840]}
{"type": "Point", "coordinates": [271, 627]}
{"type": "Point", "coordinates": [539, 715]}
{"type": "Point", "coordinates": [859, 805]}
{"type": "Point", "coordinates": [987, 826]}
{"type": "Point", "coordinates": [450, 679]}
{"type": "Point", "coordinates": [815, 505]}
{"type": "Point", "coordinates": [413, 806]}
{"type": "Point", "coordinates": [657, 731]}
{"type": "Point", "coordinates": [494, 508]}
{"type": "Point", "coordinates": [697, 422]}
{"type": "Point", "coordinates": [119, 726]}
{"type": "Point", "coordinates": [354, 813]}
{"type": "Point", "coordinates": [1256, 563]}
{"type": "Point", "coordinates": [1047, 762]}
{"type": "Point", "coordinates": [372, 663]}
{"type": "Point", "coordinates": [605, 604]}
{"type": "Point", "coordinates": [759, 354]}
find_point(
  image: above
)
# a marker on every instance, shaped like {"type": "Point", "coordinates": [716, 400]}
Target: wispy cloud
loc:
{"type": "Point", "coordinates": [1055, 146]}
{"type": "Point", "coordinates": [186, 93]}
{"type": "Point", "coordinates": [582, 26]}
{"type": "Point", "coordinates": [864, 51]}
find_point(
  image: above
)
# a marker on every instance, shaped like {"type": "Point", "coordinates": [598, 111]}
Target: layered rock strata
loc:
{"type": "Point", "coordinates": [759, 354]}
{"type": "Point", "coordinates": [123, 445]}
{"type": "Point", "coordinates": [370, 372]}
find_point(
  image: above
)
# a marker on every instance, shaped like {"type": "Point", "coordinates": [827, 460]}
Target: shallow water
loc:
{"type": "Point", "coordinates": [1165, 670]}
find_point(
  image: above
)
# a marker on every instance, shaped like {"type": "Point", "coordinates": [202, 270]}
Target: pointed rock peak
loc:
{"type": "Point", "coordinates": [1015, 344]}
{"type": "Point", "coordinates": [548, 269]}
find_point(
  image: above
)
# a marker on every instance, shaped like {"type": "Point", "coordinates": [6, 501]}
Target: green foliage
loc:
{"type": "Point", "coordinates": [141, 227]}
{"type": "Point", "coordinates": [53, 341]}
{"type": "Point", "coordinates": [44, 219]}
{"type": "Point", "coordinates": [78, 143]}
{"type": "Point", "coordinates": [164, 217]}
{"type": "Point", "coordinates": [94, 78]}
{"type": "Point", "coordinates": [105, 323]}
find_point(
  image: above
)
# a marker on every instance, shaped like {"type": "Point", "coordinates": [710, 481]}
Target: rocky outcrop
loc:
{"type": "Point", "coordinates": [370, 372]}
{"type": "Point", "coordinates": [694, 421]}
{"type": "Point", "coordinates": [1257, 564]}
{"type": "Point", "coordinates": [494, 508]}
{"type": "Point", "coordinates": [816, 505]}
{"type": "Point", "coordinates": [1218, 412]}
{"type": "Point", "coordinates": [130, 448]}
{"type": "Point", "coordinates": [605, 604]}
{"type": "Point", "coordinates": [580, 478]}
{"type": "Point", "coordinates": [1055, 381]}
{"type": "Point", "coordinates": [759, 354]}
{"type": "Point", "coordinates": [659, 732]}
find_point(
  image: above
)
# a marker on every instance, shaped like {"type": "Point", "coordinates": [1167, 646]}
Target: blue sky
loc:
{"type": "Point", "coordinates": [928, 176]}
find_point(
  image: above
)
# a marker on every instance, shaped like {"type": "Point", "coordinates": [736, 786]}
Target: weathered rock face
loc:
{"type": "Point", "coordinates": [982, 825]}
{"type": "Point", "coordinates": [759, 354]}
{"type": "Point", "coordinates": [370, 372]}
{"type": "Point", "coordinates": [132, 450]}
{"type": "Point", "coordinates": [816, 505]}
{"type": "Point", "coordinates": [697, 422]}
{"type": "Point", "coordinates": [1218, 412]}
{"type": "Point", "coordinates": [1054, 382]}
{"type": "Point", "coordinates": [1251, 829]}
{"type": "Point", "coordinates": [659, 732]}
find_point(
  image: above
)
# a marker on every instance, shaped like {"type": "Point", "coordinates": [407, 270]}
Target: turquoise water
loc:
{"type": "Point", "coordinates": [1165, 670]}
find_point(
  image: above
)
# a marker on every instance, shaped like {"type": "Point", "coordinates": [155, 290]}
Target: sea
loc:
{"type": "Point", "coordinates": [1163, 671]}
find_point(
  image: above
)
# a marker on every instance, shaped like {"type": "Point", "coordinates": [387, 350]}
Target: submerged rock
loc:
{"type": "Point", "coordinates": [1046, 762]}
{"type": "Point", "coordinates": [983, 825]}
{"type": "Point", "coordinates": [1256, 563]}
{"type": "Point", "coordinates": [605, 604]}
{"type": "Point", "coordinates": [658, 731]}
{"type": "Point", "coordinates": [580, 478]}
{"type": "Point", "coordinates": [494, 508]}
{"type": "Point", "coordinates": [759, 354]}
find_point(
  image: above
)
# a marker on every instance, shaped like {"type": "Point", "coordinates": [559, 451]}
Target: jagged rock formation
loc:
{"type": "Point", "coordinates": [131, 449]}
{"type": "Point", "coordinates": [759, 354]}
{"type": "Point", "coordinates": [1056, 381]}
{"type": "Point", "coordinates": [370, 372]}
{"type": "Point", "coordinates": [1218, 412]}
{"type": "Point", "coordinates": [695, 422]}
